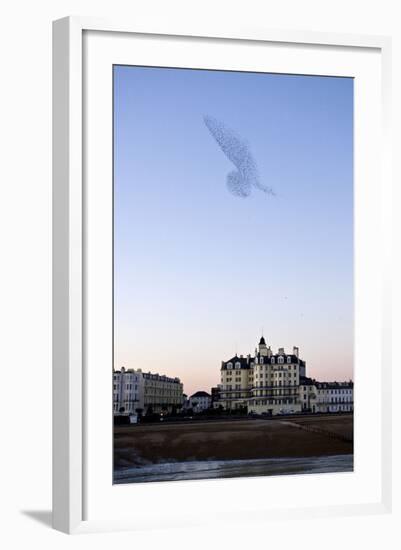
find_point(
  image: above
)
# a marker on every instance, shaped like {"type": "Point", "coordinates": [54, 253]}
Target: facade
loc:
{"type": "Point", "coordinates": [276, 383]}
{"type": "Point", "coordinates": [216, 396]}
{"type": "Point", "coordinates": [128, 391]}
{"type": "Point", "coordinates": [333, 397]}
{"type": "Point", "coordinates": [135, 390]}
{"type": "Point", "coordinates": [161, 393]}
{"type": "Point", "coordinates": [200, 401]}
{"type": "Point", "coordinates": [326, 397]}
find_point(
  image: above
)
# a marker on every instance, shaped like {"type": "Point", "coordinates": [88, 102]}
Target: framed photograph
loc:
{"type": "Point", "coordinates": [221, 249]}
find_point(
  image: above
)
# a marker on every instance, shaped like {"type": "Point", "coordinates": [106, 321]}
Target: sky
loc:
{"type": "Point", "coordinates": [199, 273]}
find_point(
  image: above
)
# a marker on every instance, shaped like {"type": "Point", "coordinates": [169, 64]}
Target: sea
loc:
{"type": "Point", "coordinates": [213, 469]}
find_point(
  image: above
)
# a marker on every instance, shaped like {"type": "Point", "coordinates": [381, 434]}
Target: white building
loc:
{"type": "Point", "coordinates": [128, 391]}
{"type": "Point", "coordinates": [276, 383]}
{"type": "Point", "coordinates": [333, 397]}
{"type": "Point", "coordinates": [136, 391]}
{"type": "Point", "coordinates": [200, 401]}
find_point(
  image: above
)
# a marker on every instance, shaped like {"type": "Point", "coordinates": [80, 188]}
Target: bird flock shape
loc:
{"type": "Point", "coordinates": [239, 182]}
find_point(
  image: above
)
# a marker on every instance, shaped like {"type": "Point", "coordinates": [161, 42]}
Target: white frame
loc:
{"type": "Point", "coordinates": [69, 257]}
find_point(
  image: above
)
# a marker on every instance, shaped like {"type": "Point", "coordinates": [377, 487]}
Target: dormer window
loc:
{"type": "Point", "coordinates": [261, 360]}
{"type": "Point", "coordinates": [289, 359]}
{"type": "Point", "coordinates": [272, 360]}
{"type": "Point", "coordinates": [237, 365]}
{"type": "Point", "coordinates": [281, 359]}
{"type": "Point", "coordinates": [229, 365]}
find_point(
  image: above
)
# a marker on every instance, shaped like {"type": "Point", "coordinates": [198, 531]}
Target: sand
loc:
{"type": "Point", "coordinates": [137, 445]}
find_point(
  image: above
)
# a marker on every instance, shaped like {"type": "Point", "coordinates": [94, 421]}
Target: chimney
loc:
{"type": "Point", "coordinates": [281, 350]}
{"type": "Point", "coordinates": [295, 351]}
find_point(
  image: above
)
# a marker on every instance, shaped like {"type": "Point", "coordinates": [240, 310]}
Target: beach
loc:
{"type": "Point", "coordinates": [233, 447]}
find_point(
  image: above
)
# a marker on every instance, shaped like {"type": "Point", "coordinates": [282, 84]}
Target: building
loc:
{"type": "Point", "coordinates": [276, 383]}
{"type": "Point", "coordinates": [161, 393]}
{"type": "Point", "coordinates": [333, 397]}
{"type": "Point", "coordinates": [216, 396]}
{"type": "Point", "coordinates": [200, 401]}
{"type": "Point", "coordinates": [128, 391]}
{"type": "Point", "coordinates": [136, 391]}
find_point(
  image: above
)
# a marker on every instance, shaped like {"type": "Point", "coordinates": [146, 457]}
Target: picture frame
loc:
{"type": "Point", "coordinates": [74, 433]}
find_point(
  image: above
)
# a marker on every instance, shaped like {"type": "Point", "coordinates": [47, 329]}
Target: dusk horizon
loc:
{"type": "Point", "coordinates": [190, 389]}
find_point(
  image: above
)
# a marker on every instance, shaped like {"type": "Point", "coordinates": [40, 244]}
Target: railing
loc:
{"type": "Point", "coordinates": [294, 387]}
{"type": "Point", "coordinates": [294, 401]}
{"type": "Point", "coordinates": [329, 403]}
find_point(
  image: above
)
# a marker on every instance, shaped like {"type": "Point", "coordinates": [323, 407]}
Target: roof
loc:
{"type": "Point", "coordinates": [160, 378]}
{"type": "Point", "coordinates": [334, 385]}
{"type": "Point", "coordinates": [262, 341]}
{"type": "Point", "coordinates": [245, 362]}
{"type": "Point", "coordinates": [200, 394]}
{"type": "Point", "coordinates": [294, 358]}
{"type": "Point", "coordinates": [306, 381]}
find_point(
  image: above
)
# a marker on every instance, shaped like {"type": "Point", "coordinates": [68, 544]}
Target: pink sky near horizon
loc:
{"type": "Point", "coordinates": [198, 367]}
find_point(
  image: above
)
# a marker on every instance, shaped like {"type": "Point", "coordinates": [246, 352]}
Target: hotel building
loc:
{"type": "Point", "coordinates": [276, 383]}
{"type": "Point", "coordinates": [135, 390]}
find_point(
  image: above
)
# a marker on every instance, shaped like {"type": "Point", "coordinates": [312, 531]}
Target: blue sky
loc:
{"type": "Point", "coordinates": [198, 271]}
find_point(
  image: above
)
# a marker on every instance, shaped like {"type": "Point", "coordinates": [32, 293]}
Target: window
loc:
{"type": "Point", "coordinates": [261, 360]}
{"type": "Point", "coordinates": [229, 365]}
{"type": "Point", "coordinates": [281, 359]}
{"type": "Point", "coordinates": [272, 360]}
{"type": "Point", "coordinates": [289, 359]}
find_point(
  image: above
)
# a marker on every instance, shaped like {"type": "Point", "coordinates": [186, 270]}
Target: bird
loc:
{"type": "Point", "coordinates": [239, 182]}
